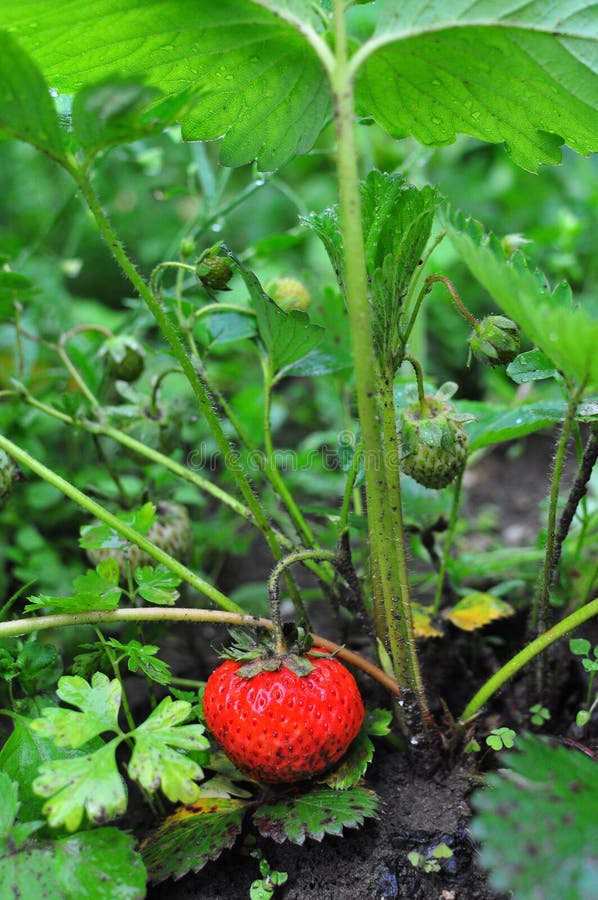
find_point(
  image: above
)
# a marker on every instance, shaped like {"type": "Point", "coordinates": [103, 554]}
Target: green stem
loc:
{"type": "Point", "coordinates": [432, 279]}
{"type": "Point", "coordinates": [448, 541]}
{"type": "Point", "coordinates": [171, 334]}
{"type": "Point", "coordinates": [116, 669]}
{"type": "Point", "coordinates": [526, 655]}
{"type": "Point", "coordinates": [402, 617]}
{"type": "Point", "coordinates": [20, 627]}
{"type": "Point", "coordinates": [274, 590]}
{"type": "Point", "coordinates": [122, 493]}
{"type": "Point", "coordinates": [343, 521]}
{"type": "Point", "coordinates": [154, 410]}
{"type": "Point", "coordinates": [74, 373]}
{"type": "Point", "coordinates": [385, 544]}
{"type": "Point", "coordinates": [273, 475]}
{"type": "Point", "coordinates": [419, 377]}
{"type": "Point", "coordinates": [223, 307]}
{"type": "Point", "coordinates": [185, 574]}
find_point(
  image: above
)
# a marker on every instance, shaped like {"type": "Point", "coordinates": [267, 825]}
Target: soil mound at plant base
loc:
{"type": "Point", "coordinates": [419, 813]}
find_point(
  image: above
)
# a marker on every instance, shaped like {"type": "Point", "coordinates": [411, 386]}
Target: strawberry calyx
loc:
{"type": "Point", "coordinates": [257, 652]}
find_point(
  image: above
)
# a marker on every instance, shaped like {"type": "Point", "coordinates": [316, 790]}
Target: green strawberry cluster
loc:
{"type": "Point", "coordinates": [433, 441]}
{"type": "Point", "coordinates": [170, 532]}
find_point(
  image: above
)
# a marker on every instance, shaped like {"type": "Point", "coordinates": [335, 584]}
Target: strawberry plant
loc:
{"type": "Point", "coordinates": [161, 417]}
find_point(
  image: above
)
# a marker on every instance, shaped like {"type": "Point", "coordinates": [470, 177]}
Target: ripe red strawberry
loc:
{"type": "Point", "coordinates": [283, 726]}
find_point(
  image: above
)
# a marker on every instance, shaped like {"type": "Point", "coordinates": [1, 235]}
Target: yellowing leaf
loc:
{"type": "Point", "coordinates": [422, 623]}
{"type": "Point", "coordinates": [192, 836]}
{"type": "Point", "coordinates": [477, 609]}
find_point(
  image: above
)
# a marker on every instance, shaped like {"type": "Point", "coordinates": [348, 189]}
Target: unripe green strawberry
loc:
{"type": "Point", "coordinates": [170, 532]}
{"type": "Point", "coordinates": [214, 272]}
{"type": "Point", "coordinates": [289, 294]}
{"type": "Point", "coordinates": [433, 442]}
{"type": "Point", "coordinates": [9, 473]}
{"type": "Point", "coordinates": [123, 357]}
{"type": "Point", "coordinates": [280, 726]}
{"type": "Point", "coordinates": [495, 341]}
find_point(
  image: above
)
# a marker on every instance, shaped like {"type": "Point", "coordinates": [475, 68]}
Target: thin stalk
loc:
{"type": "Point", "coordinates": [385, 545]}
{"type": "Point", "coordinates": [589, 588]}
{"type": "Point", "coordinates": [343, 519]}
{"type": "Point", "coordinates": [95, 509]}
{"type": "Point", "coordinates": [74, 373]}
{"type": "Point", "coordinates": [122, 493]}
{"type": "Point", "coordinates": [171, 334]}
{"type": "Point", "coordinates": [424, 291]}
{"type": "Point", "coordinates": [540, 603]}
{"type": "Point", "coordinates": [154, 409]}
{"type": "Point", "coordinates": [448, 541]}
{"type": "Point", "coordinates": [19, 627]}
{"type": "Point", "coordinates": [577, 492]}
{"type": "Point", "coordinates": [274, 588]}
{"type": "Point", "coordinates": [525, 656]}
{"type": "Point", "coordinates": [223, 307]}
{"type": "Point", "coordinates": [433, 279]}
{"type": "Point", "coordinates": [303, 529]}
{"type": "Point", "coordinates": [116, 670]}
{"type": "Point", "coordinates": [419, 377]}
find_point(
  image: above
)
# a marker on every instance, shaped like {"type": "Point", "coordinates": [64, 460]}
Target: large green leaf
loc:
{"type": "Point", "coordinates": [26, 108]}
{"type": "Point", "coordinates": [259, 83]}
{"type": "Point", "coordinates": [85, 784]}
{"type": "Point", "coordinates": [523, 73]}
{"type": "Point", "coordinates": [116, 111]}
{"type": "Point", "coordinates": [495, 424]}
{"type": "Point", "coordinates": [538, 823]}
{"type": "Point", "coordinates": [564, 331]}
{"type": "Point", "coordinates": [101, 864]}
{"type": "Point", "coordinates": [21, 757]}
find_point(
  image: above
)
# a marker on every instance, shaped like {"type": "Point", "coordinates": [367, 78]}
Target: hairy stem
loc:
{"type": "Point", "coordinates": [385, 544]}
{"type": "Point", "coordinates": [577, 492]}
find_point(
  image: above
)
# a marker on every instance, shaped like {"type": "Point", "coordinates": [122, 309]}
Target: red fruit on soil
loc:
{"type": "Point", "coordinates": [278, 726]}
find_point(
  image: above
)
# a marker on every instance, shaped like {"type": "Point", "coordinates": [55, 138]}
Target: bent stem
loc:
{"type": "Point", "coordinates": [274, 587]}
{"type": "Point", "coordinates": [524, 656]}
{"type": "Point", "coordinates": [95, 509]}
{"type": "Point", "coordinates": [19, 627]}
